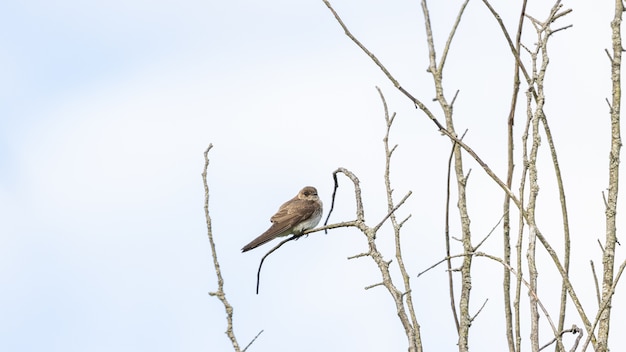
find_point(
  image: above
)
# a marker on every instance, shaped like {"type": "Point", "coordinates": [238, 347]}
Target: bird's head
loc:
{"type": "Point", "coordinates": [308, 193]}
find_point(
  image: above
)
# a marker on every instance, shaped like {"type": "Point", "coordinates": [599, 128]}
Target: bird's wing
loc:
{"type": "Point", "coordinates": [289, 215]}
{"type": "Point", "coordinates": [294, 212]}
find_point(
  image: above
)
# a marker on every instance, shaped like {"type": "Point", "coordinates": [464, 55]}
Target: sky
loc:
{"type": "Point", "coordinates": [107, 108]}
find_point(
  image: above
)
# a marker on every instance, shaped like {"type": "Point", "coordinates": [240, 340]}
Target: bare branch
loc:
{"type": "Point", "coordinates": [454, 98]}
{"type": "Point", "coordinates": [480, 309]}
{"type": "Point", "coordinates": [446, 48]}
{"type": "Point", "coordinates": [392, 211]}
{"type": "Point", "coordinates": [595, 281]}
{"type": "Point", "coordinates": [401, 223]}
{"type": "Point", "coordinates": [528, 286]}
{"type": "Point", "coordinates": [610, 109]}
{"type": "Point", "coordinates": [375, 285]}
{"type": "Point", "coordinates": [561, 29]}
{"type": "Point", "coordinates": [608, 257]}
{"type": "Point", "coordinates": [600, 245]}
{"type": "Point", "coordinates": [574, 330]}
{"type": "Point", "coordinates": [606, 301]}
{"type": "Point", "coordinates": [258, 273]}
{"type": "Point", "coordinates": [415, 101]}
{"type": "Point", "coordinates": [512, 46]}
{"type": "Point", "coordinates": [220, 294]}
{"type": "Point", "coordinates": [325, 228]}
{"type": "Point", "coordinates": [561, 14]}
{"type": "Point", "coordinates": [447, 258]}
{"type": "Point", "coordinates": [295, 237]}
{"type": "Point", "coordinates": [489, 234]}
{"type": "Point", "coordinates": [506, 285]}
{"type": "Point", "coordinates": [360, 255]}
{"type": "Point", "coordinates": [254, 339]}
{"type": "Point", "coordinates": [610, 59]}
{"type": "Point", "coordinates": [412, 329]}
{"type": "Point", "coordinates": [455, 315]}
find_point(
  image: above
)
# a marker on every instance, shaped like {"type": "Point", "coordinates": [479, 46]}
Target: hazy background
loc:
{"type": "Point", "coordinates": [107, 107]}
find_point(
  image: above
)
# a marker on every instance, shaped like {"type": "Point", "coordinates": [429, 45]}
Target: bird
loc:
{"type": "Point", "coordinates": [303, 212]}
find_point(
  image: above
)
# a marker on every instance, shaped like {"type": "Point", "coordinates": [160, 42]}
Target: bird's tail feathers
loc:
{"type": "Point", "coordinates": [267, 236]}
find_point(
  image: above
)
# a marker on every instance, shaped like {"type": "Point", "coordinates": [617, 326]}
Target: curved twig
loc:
{"type": "Point", "coordinates": [258, 273]}
{"type": "Point", "coordinates": [332, 202]}
{"type": "Point", "coordinates": [295, 237]}
{"type": "Point", "coordinates": [574, 330]}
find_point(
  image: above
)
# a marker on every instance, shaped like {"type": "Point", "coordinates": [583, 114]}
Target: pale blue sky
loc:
{"type": "Point", "coordinates": [107, 107]}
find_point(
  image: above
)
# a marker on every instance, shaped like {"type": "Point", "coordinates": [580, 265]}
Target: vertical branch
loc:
{"type": "Point", "coordinates": [538, 73]}
{"type": "Point", "coordinates": [532, 239]}
{"type": "Point", "coordinates": [544, 32]}
{"type": "Point", "coordinates": [608, 259]}
{"type": "Point", "coordinates": [530, 209]}
{"type": "Point", "coordinates": [506, 227]}
{"type": "Point", "coordinates": [415, 340]}
{"type": "Point", "coordinates": [523, 213]}
{"type": "Point", "coordinates": [565, 218]}
{"type": "Point", "coordinates": [455, 315]}
{"type": "Point", "coordinates": [604, 304]}
{"type": "Point", "coordinates": [554, 15]}
{"type": "Point", "coordinates": [383, 265]}
{"type": "Point", "coordinates": [466, 238]}
{"type": "Point", "coordinates": [220, 281]}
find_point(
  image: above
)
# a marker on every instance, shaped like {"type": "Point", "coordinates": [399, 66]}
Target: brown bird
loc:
{"type": "Point", "coordinates": [297, 215]}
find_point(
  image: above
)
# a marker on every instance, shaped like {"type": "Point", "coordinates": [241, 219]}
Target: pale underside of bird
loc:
{"type": "Point", "coordinates": [297, 215]}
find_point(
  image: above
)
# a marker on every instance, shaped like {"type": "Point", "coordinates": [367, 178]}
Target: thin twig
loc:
{"type": "Point", "coordinates": [508, 267]}
{"type": "Point", "coordinates": [360, 255]}
{"type": "Point", "coordinates": [595, 281]}
{"type": "Point", "coordinates": [480, 309]}
{"type": "Point", "coordinates": [295, 237]}
{"type": "Point", "coordinates": [375, 228]}
{"type": "Point", "coordinates": [512, 46]}
{"type": "Point", "coordinates": [220, 294]}
{"type": "Point", "coordinates": [489, 234]}
{"type": "Point", "coordinates": [332, 203]}
{"type": "Point", "coordinates": [254, 339]}
{"type": "Point", "coordinates": [528, 286]}
{"type": "Point", "coordinates": [396, 84]}
{"type": "Point", "coordinates": [374, 285]}
{"type": "Point", "coordinates": [455, 315]}
{"type": "Point", "coordinates": [574, 330]}
{"type": "Point", "coordinates": [258, 273]}
{"type": "Point", "coordinates": [605, 304]}
{"type": "Point", "coordinates": [446, 48]}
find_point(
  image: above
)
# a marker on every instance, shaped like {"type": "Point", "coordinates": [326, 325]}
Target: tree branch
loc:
{"type": "Point", "coordinates": [220, 294]}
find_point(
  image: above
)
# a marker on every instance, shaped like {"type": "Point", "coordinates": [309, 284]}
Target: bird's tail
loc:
{"type": "Point", "coordinates": [273, 232]}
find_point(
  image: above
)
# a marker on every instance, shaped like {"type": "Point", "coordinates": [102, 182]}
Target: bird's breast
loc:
{"type": "Point", "coordinates": [309, 223]}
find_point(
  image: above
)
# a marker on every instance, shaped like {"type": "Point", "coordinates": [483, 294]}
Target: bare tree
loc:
{"type": "Point", "coordinates": [520, 271]}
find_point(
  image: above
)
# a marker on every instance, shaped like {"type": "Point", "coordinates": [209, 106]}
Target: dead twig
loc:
{"type": "Point", "coordinates": [220, 294]}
